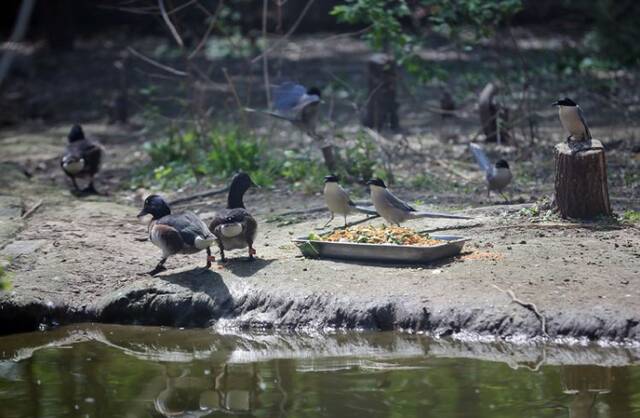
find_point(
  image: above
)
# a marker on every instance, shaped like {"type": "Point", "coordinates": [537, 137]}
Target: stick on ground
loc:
{"type": "Point", "coordinates": [527, 305]}
{"type": "Point", "coordinates": [199, 196]}
{"type": "Point", "coordinates": [32, 210]}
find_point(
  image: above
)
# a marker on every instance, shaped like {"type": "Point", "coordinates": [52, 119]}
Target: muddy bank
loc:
{"type": "Point", "coordinates": [79, 261]}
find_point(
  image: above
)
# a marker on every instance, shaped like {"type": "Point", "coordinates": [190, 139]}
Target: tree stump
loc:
{"type": "Point", "coordinates": [581, 180]}
{"type": "Point", "coordinates": [382, 107]}
{"type": "Point", "coordinates": [493, 116]}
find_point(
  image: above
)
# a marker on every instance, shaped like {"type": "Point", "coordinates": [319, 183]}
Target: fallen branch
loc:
{"type": "Point", "coordinates": [199, 196]}
{"type": "Point", "coordinates": [157, 64]}
{"type": "Point", "coordinates": [32, 210]}
{"type": "Point", "coordinates": [527, 305]}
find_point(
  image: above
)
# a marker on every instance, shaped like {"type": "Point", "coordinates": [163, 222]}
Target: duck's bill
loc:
{"type": "Point", "coordinates": [556, 103]}
{"type": "Point", "coordinates": [142, 213]}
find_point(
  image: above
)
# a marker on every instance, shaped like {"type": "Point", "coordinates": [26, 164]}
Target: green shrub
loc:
{"type": "Point", "coordinates": [186, 156]}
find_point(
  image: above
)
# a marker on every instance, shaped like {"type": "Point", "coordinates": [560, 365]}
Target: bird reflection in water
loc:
{"type": "Point", "coordinates": [584, 384]}
{"type": "Point", "coordinates": [232, 389]}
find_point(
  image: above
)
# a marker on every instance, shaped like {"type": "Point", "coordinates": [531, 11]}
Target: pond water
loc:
{"type": "Point", "coordinates": [126, 371]}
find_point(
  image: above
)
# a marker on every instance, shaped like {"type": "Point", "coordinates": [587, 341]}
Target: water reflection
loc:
{"type": "Point", "coordinates": [115, 371]}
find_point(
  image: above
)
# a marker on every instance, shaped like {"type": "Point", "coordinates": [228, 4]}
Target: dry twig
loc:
{"type": "Point", "coordinates": [172, 28]}
{"type": "Point", "coordinates": [32, 210]}
{"type": "Point", "coordinates": [527, 305]}
{"type": "Point", "coordinates": [199, 196]}
{"type": "Point", "coordinates": [156, 63]}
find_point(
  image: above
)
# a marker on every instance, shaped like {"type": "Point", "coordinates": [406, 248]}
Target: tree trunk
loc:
{"type": "Point", "coordinates": [581, 181]}
{"type": "Point", "coordinates": [382, 107]}
{"type": "Point", "coordinates": [59, 24]}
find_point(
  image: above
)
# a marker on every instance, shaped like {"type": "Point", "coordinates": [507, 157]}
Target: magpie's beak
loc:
{"type": "Point", "coordinates": [556, 103]}
{"type": "Point", "coordinates": [142, 213]}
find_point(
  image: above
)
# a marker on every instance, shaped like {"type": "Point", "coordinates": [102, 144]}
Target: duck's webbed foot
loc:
{"type": "Point", "coordinates": [252, 252]}
{"type": "Point", "coordinates": [159, 268]}
{"type": "Point", "coordinates": [90, 189]}
{"type": "Point", "coordinates": [210, 258]}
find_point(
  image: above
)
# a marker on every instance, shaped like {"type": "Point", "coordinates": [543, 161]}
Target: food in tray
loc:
{"type": "Point", "coordinates": [369, 234]}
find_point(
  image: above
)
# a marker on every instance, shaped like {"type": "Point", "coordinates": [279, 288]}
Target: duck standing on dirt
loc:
{"type": "Point", "coordinates": [498, 175]}
{"type": "Point", "coordinates": [81, 158]}
{"type": "Point", "coordinates": [396, 211]}
{"type": "Point", "coordinates": [183, 233]}
{"type": "Point", "coordinates": [573, 120]}
{"type": "Point", "coordinates": [234, 227]}
{"type": "Point", "coordinates": [338, 201]}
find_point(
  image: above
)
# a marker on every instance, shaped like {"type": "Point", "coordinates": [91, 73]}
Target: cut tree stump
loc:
{"type": "Point", "coordinates": [581, 180]}
{"type": "Point", "coordinates": [382, 107]}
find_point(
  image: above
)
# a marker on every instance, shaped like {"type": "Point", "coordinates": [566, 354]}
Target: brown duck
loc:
{"type": "Point", "coordinates": [183, 233]}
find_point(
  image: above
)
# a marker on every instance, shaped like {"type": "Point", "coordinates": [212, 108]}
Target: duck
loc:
{"type": "Point", "coordinates": [234, 227]}
{"type": "Point", "coordinates": [183, 233]}
{"type": "Point", "coordinates": [81, 158]}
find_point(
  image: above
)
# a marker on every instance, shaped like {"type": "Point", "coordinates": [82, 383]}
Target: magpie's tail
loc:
{"type": "Point", "coordinates": [267, 112]}
{"type": "Point", "coordinates": [437, 215]}
{"type": "Point", "coordinates": [367, 211]}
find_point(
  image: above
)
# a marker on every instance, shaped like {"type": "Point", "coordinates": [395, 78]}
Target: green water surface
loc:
{"type": "Point", "coordinates": [118, 371]}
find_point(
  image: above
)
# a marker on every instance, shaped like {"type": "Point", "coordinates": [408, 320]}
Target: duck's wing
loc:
{"type": "Point", "coordinates": [584, 122]}
{"type": "Point", "coordinates": [234, 216]}
{"type": "Point", "coordinates": [189, 226]}
{"type": "Point", "coordinates": [91, 151]}
{"type": "Point", "coordinates": [480, 157]}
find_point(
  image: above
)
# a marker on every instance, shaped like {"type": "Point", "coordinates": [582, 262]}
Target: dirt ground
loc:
{"type": "Point", "coordinates": [78, 259]}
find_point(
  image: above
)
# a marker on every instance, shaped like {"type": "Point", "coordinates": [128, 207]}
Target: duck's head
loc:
{"type": "Point", "coordinates": [76, 133]}
{"type": "Point", "coordinates": [155, 206]}
{"type": "Point", "coordinates": [377, 181]}
{"type": "Point", "coordinates": [502, 164]}
{"type": "Point", "coordinates": [331, 179]}
{"type": "Point", "coordinates": [240, 183]}
{"type": "Point", "coordinates": [565, 102]}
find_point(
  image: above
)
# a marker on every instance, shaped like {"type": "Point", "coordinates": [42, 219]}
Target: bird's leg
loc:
{"type": "Point", "coordinates": [252, 252]}
{"type": "Point", "coordinates": [488, 192]}
{"type": "Point", "coordinates": [75, 185]}
{"type": "Point", "coordinates": [506, 199]}
{"type": "Point", "coordinates": [160, 267]}
{"type": "Point", "coordinates": [329, 221]}
{"type": "Point", "coordinates": [210, 258]}
{"type": "Point", "coordinates": [90, 189]}
{"type": "Point", "coordinates": [222, 257]}
{"type": "Point", "coordinates": [345, 221]}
